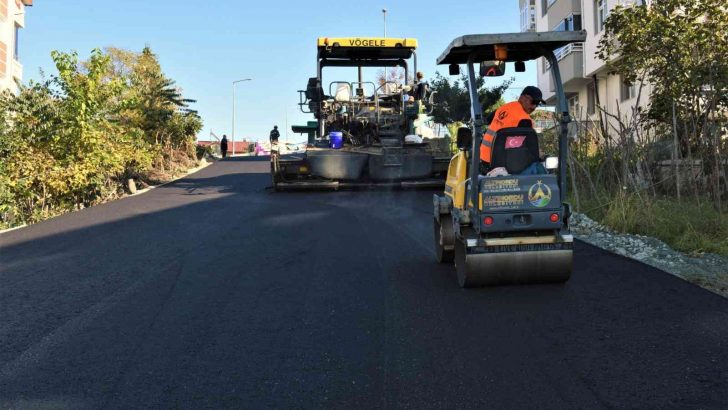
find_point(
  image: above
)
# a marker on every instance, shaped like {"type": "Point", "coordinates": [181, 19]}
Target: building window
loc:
{"type": "Point", "coordinates": [16, 54]}
{"type": "Point", "coordinates": [628, 91]}
{"type": "Point", "coordinates": [570, 23]}
{"type": "Point", "coordinates": [545, 4]}
{"type": "Point", "coordinates": [591, 99]}
{"type": "Point", "coordinates": [524, 11]}
{"type": "Point", "coordinates": [574, 106]}
{"type": "Point", "coordinates": [600, 16]}
{"type": "Point", "coordinates": [528, 17]}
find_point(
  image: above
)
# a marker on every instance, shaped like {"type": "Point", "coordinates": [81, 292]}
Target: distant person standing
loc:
{"type": "Point", "coordinates": [224, 146]}
{"type": "Point", "coordinates": [421, 87]}
{"type": "Point", "coordinates": [274, 134]}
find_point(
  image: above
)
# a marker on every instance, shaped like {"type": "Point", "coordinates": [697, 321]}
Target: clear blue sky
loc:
{"type": "Point", "coordinates": [204, 46]}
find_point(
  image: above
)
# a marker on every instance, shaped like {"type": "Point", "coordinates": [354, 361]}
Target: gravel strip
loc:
{"type": "Point", "coordinates": [709, 271]}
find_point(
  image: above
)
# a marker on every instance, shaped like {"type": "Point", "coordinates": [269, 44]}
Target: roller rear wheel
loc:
{"type": "Point", "coordinates": [467, 278]}
{"type": "Point", "coordinates": [444, 239]}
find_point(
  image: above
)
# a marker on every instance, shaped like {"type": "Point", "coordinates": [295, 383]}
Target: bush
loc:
{"type": "Point", "coordinates": [75, 139]}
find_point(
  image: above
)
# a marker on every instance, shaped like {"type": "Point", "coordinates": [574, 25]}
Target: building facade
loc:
{"type": "Point", "coordinates": [528, 15]}
{"type": "Point", "coordinates": [590, 89]}
{"type": "Point", "coordinates": [12, 20]}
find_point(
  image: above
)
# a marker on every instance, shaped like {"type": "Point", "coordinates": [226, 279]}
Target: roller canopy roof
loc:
{"type": "Point", "coordinates": [521, 46]}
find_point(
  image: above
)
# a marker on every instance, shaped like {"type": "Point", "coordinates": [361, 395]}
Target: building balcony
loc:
{"type": "Point", "coordinates": [560, 10]}
{"type": "Point", "coordinates": [17, 70]}
{"type": "Point", "coordinates": [571, 67]}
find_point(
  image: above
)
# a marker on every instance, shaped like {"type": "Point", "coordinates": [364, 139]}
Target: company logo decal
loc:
{"type": "Point", "coordinates": [539, 195]}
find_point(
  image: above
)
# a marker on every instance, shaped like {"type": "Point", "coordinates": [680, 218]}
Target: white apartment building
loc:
{"type": "Point", "coordinates": [587, 83]}
{"type": "Point", "coordinates": [12, 20]}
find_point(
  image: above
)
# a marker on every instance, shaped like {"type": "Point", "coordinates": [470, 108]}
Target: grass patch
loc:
{"type": "Point", "coordinates": [689, 225]}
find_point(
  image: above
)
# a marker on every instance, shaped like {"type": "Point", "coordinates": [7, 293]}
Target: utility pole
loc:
{"type": "Point", "coordinates": [232, 137]}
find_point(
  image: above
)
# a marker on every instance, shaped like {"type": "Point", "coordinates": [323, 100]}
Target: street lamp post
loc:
{"type": "Point", "coordinates": [233, 131]}
{"type": "Point", "coordinates": [384, 14]}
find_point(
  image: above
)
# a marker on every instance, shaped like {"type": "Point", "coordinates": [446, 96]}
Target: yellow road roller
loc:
{"type": "Point", "coordinates": [499, 225]}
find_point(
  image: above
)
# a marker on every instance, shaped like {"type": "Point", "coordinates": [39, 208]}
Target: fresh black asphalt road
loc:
{"type": "Point", "coordinates": [213, 292]}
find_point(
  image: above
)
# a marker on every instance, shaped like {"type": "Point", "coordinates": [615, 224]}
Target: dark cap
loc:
{"type": "Point", "coordinates": [275, 127]}
{"type": "Point", "coordinates": [534, 93]}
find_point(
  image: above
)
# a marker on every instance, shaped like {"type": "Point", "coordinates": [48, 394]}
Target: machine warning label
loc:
{"type": "Point", "coordinates": [503, 201]}
{"type": "Point", "coordinates": [501, 185]}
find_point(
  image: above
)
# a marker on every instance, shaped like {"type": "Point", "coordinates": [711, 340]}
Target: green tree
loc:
{"type": "Point", "coordinates": [94, 149]}
{"type": "Point", "coordinates": [154, 99]}
{"type": "Point", "coordinates": [679, 48]}
{"type": "Point", "coordinates": [394, 75]}
{"type": "Point", "coordinates": [27, 120]}
{"type": "Point", "coordinates": [155, 106]}
{"type": "Point", "coordinates": [74, 139]}
{"type": "Point", "coordinates": [452, 101]}
{"type": "Point", "coordinates": [31, 117]}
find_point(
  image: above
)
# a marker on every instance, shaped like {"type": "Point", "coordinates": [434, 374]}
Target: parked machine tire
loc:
{"type": "Point", "coordinates": [444, 239]}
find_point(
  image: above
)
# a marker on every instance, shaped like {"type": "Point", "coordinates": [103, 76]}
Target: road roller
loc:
{"type": "Point", "coordinates": [506, 227]}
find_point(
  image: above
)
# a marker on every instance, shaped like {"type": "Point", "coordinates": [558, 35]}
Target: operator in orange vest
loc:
{"type": "Point", "coordinates": [510, 115]}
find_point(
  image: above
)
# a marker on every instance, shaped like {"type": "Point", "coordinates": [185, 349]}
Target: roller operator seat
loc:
{"type": "Point", "coordinates": [515, 149]}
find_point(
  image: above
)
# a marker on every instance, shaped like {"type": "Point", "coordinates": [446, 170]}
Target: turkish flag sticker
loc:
{"type": "Point", "coordinates": [515, 142]}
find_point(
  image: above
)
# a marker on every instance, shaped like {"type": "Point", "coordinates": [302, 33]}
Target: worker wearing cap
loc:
{"type": "Point", "coordinates": [512, 114]}
{"type": "Point", "coordinates": [274, 134]}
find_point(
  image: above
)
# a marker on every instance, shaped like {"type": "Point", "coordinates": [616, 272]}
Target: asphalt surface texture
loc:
{"type": "Point", "coordinates": [214, 292]}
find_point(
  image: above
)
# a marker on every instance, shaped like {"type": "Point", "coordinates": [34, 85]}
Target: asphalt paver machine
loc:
{"type": "Point", "coordinates": [513, 228]}
{"type": "Point", "coordinates": [364, 133]}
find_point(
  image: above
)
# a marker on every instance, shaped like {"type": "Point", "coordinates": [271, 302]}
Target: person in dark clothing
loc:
{"type": "Point", "coordinates": [421, 87]}
{"type": "Point", "coordinates": [224, 146]}
{"type": "Point", "coordinates": [274, 134]}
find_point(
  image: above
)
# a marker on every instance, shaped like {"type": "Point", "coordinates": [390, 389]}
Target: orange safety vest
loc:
{"type": "Point", "coordinates": [507, 116]}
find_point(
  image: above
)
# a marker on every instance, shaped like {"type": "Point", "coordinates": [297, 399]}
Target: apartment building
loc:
{"type": "Point", "coordinates": [587, 83]}
{"type": "Point", "coordinates": [12, 20]}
